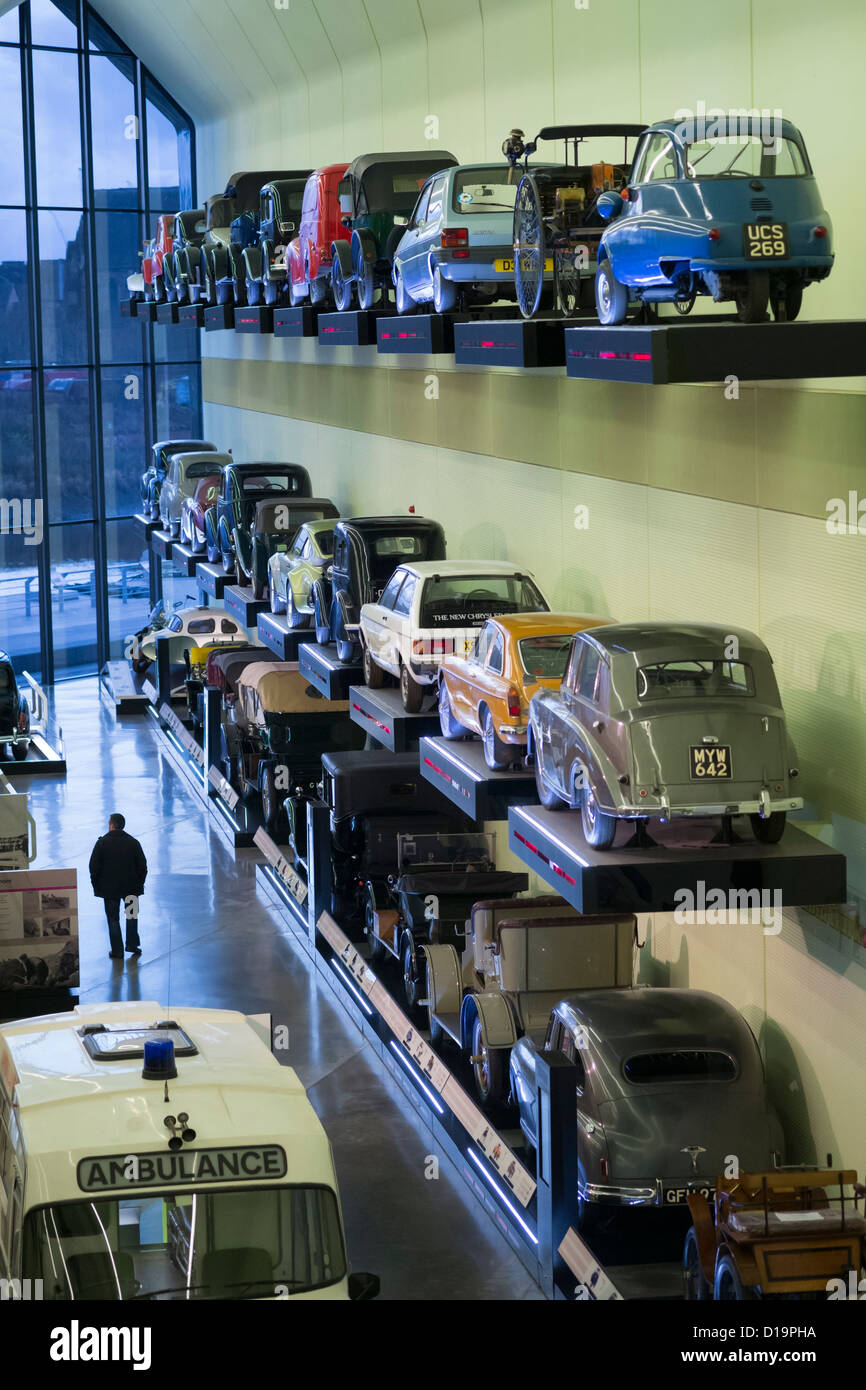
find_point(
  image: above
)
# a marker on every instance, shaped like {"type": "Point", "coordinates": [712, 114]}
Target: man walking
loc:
{"type": "Point", "coordinates": [118, 869]}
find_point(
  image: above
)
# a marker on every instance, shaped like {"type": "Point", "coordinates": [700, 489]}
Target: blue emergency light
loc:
{"type": "Point", "coordinates": [159, 1064]}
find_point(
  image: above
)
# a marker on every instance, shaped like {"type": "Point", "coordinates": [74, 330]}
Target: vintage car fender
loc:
{"type": "Point", "coordinates": [444, 985]}
{"type": "Point", "coordinates": [219, 260]}
{"type": "Point", "coordinates": [224, 536]}
{"type": "Point", "coordinates": [364, 248]}
{"type": "Point", "coordinates": [321, 605]}
{"type": "Point", "coordinates": [498, 1024]}
{"type": "Point", "coordinates": [252, 259]}
{"type": "Point", "coordinates": [341, 251]}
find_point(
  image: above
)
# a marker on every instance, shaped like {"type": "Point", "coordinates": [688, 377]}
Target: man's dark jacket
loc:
{"type": "Point", "coordinates": [117, 866]}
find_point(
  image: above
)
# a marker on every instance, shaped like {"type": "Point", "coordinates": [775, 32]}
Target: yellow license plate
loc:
{"type": "Point", "coordinates": [505, 265]}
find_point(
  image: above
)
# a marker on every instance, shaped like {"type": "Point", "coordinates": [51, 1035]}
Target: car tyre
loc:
{"type": "Point", "coordinates": [411, 692]}
{"type": "Point", "coordinates": [320, 616]}
{"type": "Point", "coordinates": [444, 293]}
{"type": "Point", "coordinates": [277, 605]}
{"type": "Point", "coordinates": [548, 798]}
{"type": "Point", "coordinates": [402, 298]}
{"type": "Point", "coordinates": [770, 829]}
{"type": "Point", "coordinates": [437, 1032]}
{"type": "Point", "coordinates": [695, 1286]}
{"type": "Point", "coordinates": [787, 306]}
{"type": "Point", "coordinates": [611, 297]}
{"type": "Point", "coordinates": [752, 296]}
{"type": "Point", "coordinates": [374, 676]}
{"type": "Point", "coordinates": [488, 1070]}
{"type": "Point", "coordinates": [344, 290]}
{"type": "Point", "coordinates": [254, 290]}
{"type": "Point", "coordinates": [412, 981]}
{"type": "Point", "coordinates": [213, 553]}
{"type": "Point", "coordinates": [270, 800]}
{"type": "Point", "coordinates": [449, 725]}
{"type": "Point", "coordinates": [366, 282]}
{"type": "Point", "coordinates": [20, 751]}
{"type": "Point", "coordinates": [497, 755]}
{"type": "Point", "coordinates": [727, 1285]}
{"type": "Point", "coordinates": [378, 952]}
{"type": "Point", "coordinates": [599, 829]}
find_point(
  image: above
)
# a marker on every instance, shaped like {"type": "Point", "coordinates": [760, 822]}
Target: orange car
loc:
{"type": "Point", "coordinates": [487, 692]}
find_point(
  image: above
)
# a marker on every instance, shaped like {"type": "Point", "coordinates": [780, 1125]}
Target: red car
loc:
{"type": "Point", "coordinates": [194, 509]}
{"type": "Point", "coordinates": [309, 255]}
{"type": "Point", "coordinates": [151, 265]}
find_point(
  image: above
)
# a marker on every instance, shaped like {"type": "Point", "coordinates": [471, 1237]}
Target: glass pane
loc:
{"type": "Point", "coordinates": [14, 291]}
{"type": "Point", "coordinates": [57, 133]}
{"type": "Point", "coordinates": [67, 443]}
{"type": "Point", "coordinates": [178, 402]}
{"type": "Point", "coordinates": [19, 583]}
{"type": "Point", "coordinates": [113, 126]}
{"type": "Point", "coordinates": [73, 600]}
{"type": "Point", "coordinates": [53, 24]}
{"type": "Point", "coordinates": [19, 603]}
{"type": "Point", "coordinates": [11, 140]}
{"type": "Point", "coordinates": [128, 582]}
{"type": "Point", "coordinates": [173, 586]}
{"type": "Point", "coordinates": [123, 438]}
{"type": "Point", "coordinates": [171, 343]}
{"type": "Point", "coordinates": [100, 36]}
{"type": "Point", "coordinates": [63, 281]}
{"type": "Point", "coordinates": [117, 237]}
{"type": "Point", "coordinates": [9, 26]}
{"type": "Point", "coordinates": [168, 153]}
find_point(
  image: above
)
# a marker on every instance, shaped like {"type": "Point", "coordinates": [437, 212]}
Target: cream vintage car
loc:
{"type": "Point", "coordinates": [293, 572]}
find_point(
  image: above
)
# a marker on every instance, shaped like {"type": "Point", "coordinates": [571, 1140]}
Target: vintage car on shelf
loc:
{"type": "Point", "coordinates": [149, 283]}
{"type": "Point", "coordinates": [670, 1083]}
{"type": "Point", "coordinates": [373, 796]}
{"type": "Point", "coordinates": [487, 690]}
{"type": "Point", "coordinates": [242, 485]}
{"type": "Point", "coordinates": [427, 898]}
{"type": "Point", "coordinates": [787, 1233]}
{"type": "Point", "coordinates": [558, 212]}
{"type": "Point", "coordinates": [367, 550]}
{"type": "Point", "coordinates": [259, 238]}
{"type": "Point", "coordinates": [241, 195]}
{"type": "Point", "coordinates": [293, 572]}
{"type": "Point", "coordinates": [659, 721]}
{"type": "Point", "coordinates": [193, 510]}
{"type": "Point", "coordinates": [185, 473]}
{"type": "Point", "coordinates": [432, 608]}
{"type": "Point", "coordinates": [153, 476]}
{"type": "Point", "coordinates": [190, 627]}
{"type": "Point", "coordinates": [272, 528]}
{"type": "Point", "coordinates": [727, 208]}
{"type": "Point", "coordinates": [308, 256]}
{"type": "Point", "coordinates": [457, 247]}
{"type": "Point", "coordinates": [138, 285]}
{"type": "Point", "coordinates": [377, 195]}
{"type": "Point", "coordinates": [181, 268]}
{"type": "Point", "coordinates": [275, 732]}
{"type": "Point", "coordinates": [14, 713]}
{"type": "Point", "coordinates": [220, 668]}
{"type": "Point", "coordinates": [518, 958]}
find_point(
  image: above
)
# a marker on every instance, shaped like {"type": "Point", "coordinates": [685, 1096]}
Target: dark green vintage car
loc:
{"type": "Point", "coordinates": [272, 528]}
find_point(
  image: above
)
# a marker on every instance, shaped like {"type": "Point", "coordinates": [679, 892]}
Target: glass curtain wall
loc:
{"type": "Point", "coordinates": [92, 150]}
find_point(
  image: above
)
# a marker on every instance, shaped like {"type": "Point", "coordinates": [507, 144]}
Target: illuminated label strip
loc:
{"type": "Point", "coordinates": [183, 735]}
{"type": "Point", "coordinates": [372, 718]}
{"type": "Point", "coordinates": [611, 356]}
{"type": "Point", "coordinates": [281, 866]}
{"type": "Point", "coordinates": [591, 1279]}
{"type": "Point", "coordinates": [225, 789]}
{"type": "Point", "coordinates": [428, 762]}
{"type": "Point", "coordinates": [556, 868]}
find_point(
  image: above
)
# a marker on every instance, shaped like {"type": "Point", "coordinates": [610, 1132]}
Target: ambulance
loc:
{"type": "Point", "coordinates": [146, 1155]}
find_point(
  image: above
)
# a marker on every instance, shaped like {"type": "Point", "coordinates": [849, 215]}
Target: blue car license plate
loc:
{"type": "Point", "coordinates": [765, 241]}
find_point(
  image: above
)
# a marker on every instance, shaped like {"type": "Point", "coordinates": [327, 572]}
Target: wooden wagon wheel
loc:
{"type": "Point", "coordinates": [529, 247]}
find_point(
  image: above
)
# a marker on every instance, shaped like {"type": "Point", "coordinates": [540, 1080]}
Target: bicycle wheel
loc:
{"type": "Point", "coordinates": [528, 247]}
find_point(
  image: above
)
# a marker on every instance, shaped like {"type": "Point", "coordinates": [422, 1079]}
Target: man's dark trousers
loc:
{"type": "Point", "coordinates": [112, 913]}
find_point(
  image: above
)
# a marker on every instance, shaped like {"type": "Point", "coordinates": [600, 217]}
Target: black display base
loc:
{"type": "Point", "coordinates": [459, 771]}
{"type": "Point", "coordinates": [299, 322]}
{"type": "Point", "coordinates": [711, 349]}
{"type": "Point", "coordinates": [279, 638]}
{"type": "Point", "coordinates": [166, 313]}
{"type": "Point", "coordinates": [146, 525]}
{"type": "Point", "coordinates": [186, 558]}
{"type": "Point", "coordinates": [415, 333]}
{"type": "Point", "coordinates": [162, 544]}
{"type": "Point", "coordinates": [632, 879]}
{"type": "Point", "coordinates": [17, 1004]}
{"type": "Point", "coordinates": [218, 316]}
{"type": "Point", "coordinates": [237, 825]}
{"type": "Point", "coordinates": [191, 315]}
{"type": "Point", "coordinates": [129, 308]}
{"type": "Point", "coordinates": [254, 318]}
{"type": "Point", "coordinates": [380, 714]}
{"type": "Point", "coordinates": [356, 328]}
{"type": "Point", "coordinates": [121, 688]}
{"type": "Point", "coordinates": [509, 343]}
{"type": "Point", "coordinates": [211, 579]}
{"type": "Point", "coordinates": [324, 670]}
{"type": "Point", "coordinates": [240, 603]}
{"type": "Point", "coordinates": [42, 760]}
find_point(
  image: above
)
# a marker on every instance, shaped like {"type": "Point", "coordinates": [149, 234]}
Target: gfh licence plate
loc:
{"type": "Point", "coordinates": [765, 241]}
{"type": "Point", "coordinates": [709, 762]}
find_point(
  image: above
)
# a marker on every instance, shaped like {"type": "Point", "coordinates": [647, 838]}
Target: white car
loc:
{"type": "Point", "coordinates": [193, 627]}
{"type": "Point", "coordinates": [185, 472]}
{"type": "Point", "coordinates": [433, 608]}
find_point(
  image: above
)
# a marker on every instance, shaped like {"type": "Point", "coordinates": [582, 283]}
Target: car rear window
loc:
{"type": "Point", "coordinates": [270, 482]}
{"type": "Point", "coordinates": [399, 545]}
{"type": "Point", "coordinates": [744, 156]}
{"type": "Point", "coordinates": [691, 1065]}
{"type": "Point", "coordinates": [472, 598]}
{"type": "Point", "coordinates": [484, 190]}
{"type": "Point", "coordinates": [545, 657]}
{"type": "Point", "coordinates": [199, 470]}
{"type": "Point", "coordinates": [672, 680]}
{"type": "Point", "coordinates": [325, 542]}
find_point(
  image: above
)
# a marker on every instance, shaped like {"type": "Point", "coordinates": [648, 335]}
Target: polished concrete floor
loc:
{"type": "Point", "coordinates": [209, 940]}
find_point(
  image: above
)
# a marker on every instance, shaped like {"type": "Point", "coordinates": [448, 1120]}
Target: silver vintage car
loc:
{"type": "Point", "coordinates": [665, 720]}
{"type": "Point", "coordinates": [670, 1091]}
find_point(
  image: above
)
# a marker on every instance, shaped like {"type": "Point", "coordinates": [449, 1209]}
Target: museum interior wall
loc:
{"type": "Point", "coordinates": [704, 502]}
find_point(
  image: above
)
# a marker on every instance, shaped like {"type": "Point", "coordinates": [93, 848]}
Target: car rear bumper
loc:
{"type": "Point", "coordinates": [655, 1192]}
{"type": "Point", "coordinates": [662, 808]}
{"type": "Point", "coordinates": [513, 733]}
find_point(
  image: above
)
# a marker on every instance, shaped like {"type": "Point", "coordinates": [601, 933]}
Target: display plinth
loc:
{"type": "Point", "coordinates": [408, 334]}
{"type": "Point", "coordinates": [185, 558]}
{"type": "Point", "coordinates": [129, 308]}
{"type": "Point", "coordinates": [190, 315]}
{"type": "Point", "coordinates": [239, 601]}
{"type": "Point", "coordinates": [146, 525]}
{"type": "Point", "coordinates": [218, 317]}
{"type": "Point", "coordinates": [121, 689]}
{"type": "Point", "coordinates": [211, 578]}
{"type": "Point", "coordinates": [509, 343]}
{"type": "Point", "coordinates": [380, 714]}
{"type": "Point", "coordinates": [355, 328]}
{"type": "Point", "coordinates": [298, 322]}
{"type": "Point", "coordinates": [324, 670]}
{"type": "Point", "coordinates": [712, 349]}
{"type": "Point", "coordinates": [279, 638]}
{"type": "Point", "coordinates": [635, 879]}
{"type": "Point", "coordinates": [42, 758]}
{"type": "Point", "coordinates": [254, 318]}
{"type": "Point", "coordinates": [162, 544]}
{"type": "Point", "coordinates": [457, 768]}
{"type": "Point", "coordinates": [166, 312]}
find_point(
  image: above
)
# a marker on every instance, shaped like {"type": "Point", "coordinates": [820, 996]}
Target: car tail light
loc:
{"type": "Point", "coordinates": [433, 646]}
{"type": "Point", "coordinates": [513, 700]}
{"type": "Point", "coordinates": [455, 236]}
{"type": "Point", "coordinates": [460, 255]}
{"type": "Point", "coordinates": [714, 234]}
{"type": "Point", "coordinates": [22, 719]}
{"type": "Point", "coordinates": [623, 193]}
{"type": "Point", "coordinates": [642, 792]}
{"type": "Point", "coordinates": [604, 1168]}
{"type": "Point", "coordinates": [819, 231]}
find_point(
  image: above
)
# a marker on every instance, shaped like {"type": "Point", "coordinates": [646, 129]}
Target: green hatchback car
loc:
{"type": "Point", "coordinates": [292, 572]}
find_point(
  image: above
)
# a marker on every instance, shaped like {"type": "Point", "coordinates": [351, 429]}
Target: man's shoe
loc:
{"type": "Point", "coordinates": [134, 950]}
{"type": "Point", "coordinates": [115, 955]}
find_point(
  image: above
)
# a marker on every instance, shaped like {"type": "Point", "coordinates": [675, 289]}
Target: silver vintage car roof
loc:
{"type": "Point", "coordinates": [648, 641]}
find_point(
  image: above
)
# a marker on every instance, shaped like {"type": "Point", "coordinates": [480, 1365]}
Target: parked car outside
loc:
{"type": "Point", "coordinates": [731, 211]}
{"type": "Point", "coordinates": [242, 485]}
{"type": "Point", "coordinates": [14, 712]}
{"type": "Point", "coordinates": [271, 531]}
{"type": "Point", "coordinates": [660, 720]}
{"type": "Point", "coordinates": [153, 476]}
{"type": "Point", "coordinates": [293, 572]}
{"type": "Point", "coordinates": [486, 691]}
{"type": "Point", "coordinates": [432, 608]}
{"type": "Point", "coordinates": [308, 257]}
